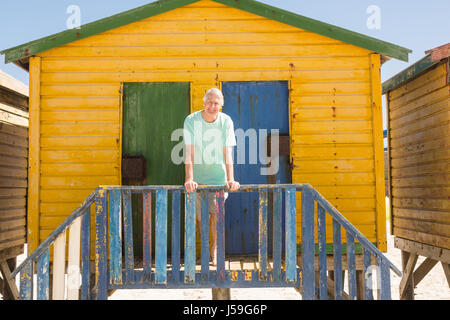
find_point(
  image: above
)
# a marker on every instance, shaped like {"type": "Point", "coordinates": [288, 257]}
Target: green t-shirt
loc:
{"type": "Point", "coordinates": [209, 138]}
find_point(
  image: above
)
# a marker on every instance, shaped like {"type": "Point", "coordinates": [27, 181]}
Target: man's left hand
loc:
{"type": "Point", "coordinates": [233, 185]}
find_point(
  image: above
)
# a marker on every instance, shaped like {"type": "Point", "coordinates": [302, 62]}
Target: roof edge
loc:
{"type": "Point", "coordinates": [29, 49]}
{"type": "Point", "coordinates": [118, 20]}
{"type": "Point", "coordinates": [319, 27]}
{"type": "Point", "coordinates": [409, 73]}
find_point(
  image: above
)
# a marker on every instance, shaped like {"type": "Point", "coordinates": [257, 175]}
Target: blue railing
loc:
{"type": "Point", "coordinates": [113, 217]}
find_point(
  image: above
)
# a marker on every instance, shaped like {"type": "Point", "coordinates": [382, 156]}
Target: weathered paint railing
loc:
{"type": "Point", "coordinates": [113, 217]}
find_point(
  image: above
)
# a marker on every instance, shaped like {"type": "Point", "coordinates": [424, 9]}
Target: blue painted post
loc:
{"type": "Point", "coordinates": [385, 279]}
{"type": "Point", "coordinates": [115, 241]}
{"type": "Point", "coordinates": [176, 236]}
{"type": "Point", "coordinates": [161, 236]}
{"type": "Point", "coordinates": [128, 236]}
{"type": "Point", "coordinates": [86, 256]}
{"type": "Point", "coordinates": [277, 230]}
{"type": "Point", "coordinates": [308, 269]}
{"type": "Point", "coordinates": [100, 246]}
{"type": "Point", "coordinates": [147, 235]}
{"type": "Point", "coordinates": [322, 238]}
{"type": "Point", "coordinates": [351, 266]}
{"type": "Point", "coordinates": [220, 235]}
{"type": "Point", "coordinates": [43, 272]}
{"type": "Point", "coordinates": [337, 251]}
{"type": "Point", "coordinates": [368, 295]}
{"type": "Point", "coordinates": [291, 241]}
{"type": "Point", "coordinates": [189, 240]}
{"type": "Point", "coordinates": [262, 239]}
{"type": "Point", "coordinates": [204, 220]}
{"type": "Point", "coordinates": [26, 282]}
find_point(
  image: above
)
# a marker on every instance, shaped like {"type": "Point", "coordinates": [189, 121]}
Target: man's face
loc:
{"type": "Point", "coordinates": [212, 105]}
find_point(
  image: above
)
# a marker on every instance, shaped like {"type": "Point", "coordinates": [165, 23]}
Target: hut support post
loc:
{"type": "Point", "coordinates": [9, 286]}
{"type": "Point", "coordinates": [411, 250]}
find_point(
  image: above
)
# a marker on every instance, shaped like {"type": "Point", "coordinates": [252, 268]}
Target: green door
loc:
{"type": "Point", "coordinates": [151, 112]}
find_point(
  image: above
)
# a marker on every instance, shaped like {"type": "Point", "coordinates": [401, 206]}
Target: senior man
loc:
{"type": "Point", "coordinates": [209, 138]}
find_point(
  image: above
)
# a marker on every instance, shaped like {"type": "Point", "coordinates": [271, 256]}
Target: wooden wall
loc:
{"type": "Point", "coordinates": [13, 165]}
{"type": "Point", "coordinates": [419, 115]}
{"type": "Point", "coordinates": [335, 107]}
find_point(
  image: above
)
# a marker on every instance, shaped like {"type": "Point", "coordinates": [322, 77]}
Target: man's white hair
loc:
{"type": "Point", "coordinates": [213, 92]}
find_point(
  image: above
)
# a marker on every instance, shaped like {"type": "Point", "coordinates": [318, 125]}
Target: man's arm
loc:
{"type": "Point", "coordinates": [228, 155]}
{"type": "Point", "coordinates": [189, 183]}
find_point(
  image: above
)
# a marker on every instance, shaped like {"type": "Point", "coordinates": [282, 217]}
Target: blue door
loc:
{"type": "Point", "coordinates": [257, 108]}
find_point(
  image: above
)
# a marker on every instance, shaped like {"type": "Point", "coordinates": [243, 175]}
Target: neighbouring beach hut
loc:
{"type": "Point", "coordinates": [105, 98]}
{"type": "Point", "coordinates": [418, 136]}
{"type": "Point", "coordinates": [13, 177]}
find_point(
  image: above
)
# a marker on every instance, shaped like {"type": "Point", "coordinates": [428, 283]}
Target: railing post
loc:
{"type": "Point", "coordinates": [26, 282]}
{"type": "Point", "coordinates": [73, 266]}
{"type": "Point", "coordinates": [262, 239]}
{"type": "Point", "coordinates": [308, 270]}
{"type": "Point", "coordinates": [86, 256]}
{"type": "Point", "coordinates": [385, 279]}
{"type": "Point", "coordinates": [176, 195]}
{"type": "Point", "coordinates": [43, 276]}
{"type": "Point", "coordinates": [351, 266]}
{"type": "Point", "coordinates": [59, 267]}
{"type": "Point", "coordinates": [277, 230]}
{"type": "Point", "coordinates": [147, 231]}
{"type": "Point", "coordinates": [204, 231]}
{"type": "Point", "coordinates": [128, 236]}
{"type": "Point", "coordinates": [100, 246]}
{"type": "Point", "coordinates": [368, 295]}
{"type": "Point", "coordinates": [115, 237]}
{"type": "Point", "coordinates": [220, 235]}
{"type": "Point", "coordinates": [189, 240]}
{"type": "Point", "coordinates": [337, 253]}
{"type": "Point", "coordinates": [161, 237]}
{"type": "Point", "coordinates": [322, 238]}
{"type": "Point", "coordinates": [290, 229]}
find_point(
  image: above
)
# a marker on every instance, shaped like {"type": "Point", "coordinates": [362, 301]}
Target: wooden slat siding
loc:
{"type": "Point", "coordinates": [115, 237]}
{"type": "Point", "coordinates": [73, 268]}
{"type": "Point", "coordinates": [128, 236]}
{"type": "Point", "coordinates": [385, 279]}
{"type": "Point", "coordinates": [147, 234]}
{"type": "Point", "coordinates": [34, 155]}
{"type": "Point", "coordinates": [277, 233]}
{"type": "Point", "coordinates": [290, 230]}
{"type": "Point", "coordinates": [323, 287]}
{"type": "Point", "coordinates": [262, 234]}
{"type": "Point", "coordinates": [43, 276]}
{"type": "Point", "coordinates": [368, 275]}
{"type": "Point", "coordinates": [59, 267]}
{"type": "Point", "coordinates": [161, 237]}
{"type": "Point", "coordinates": [308, 269]}
{"type": "Point", "coordinates": [100, 287]}
{"type": "Point", "coordinates": [419, 140]}
{"type": "Point", "coordinates": [26, 282]}
{"type": "Point", "coordinates": [88, 76]}
{"type": "Point", "coordinates": [189, 238]}
{"type": "Point", "coordinates": [337, 253]}
{"type": "Point", "coordinates": [86, 256]}
{"type": "Point", "coordinates": [176, 212]}
{"type": "Point", "coordinates": [351, 267]}
{"type": "Point", "coordinates": [220, 235]}
{"type": "Point", "coordinates": [204, 230]}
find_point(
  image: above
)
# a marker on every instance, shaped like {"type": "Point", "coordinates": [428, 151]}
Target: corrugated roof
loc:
{"type": "Point", "coordinates": [21, 53]}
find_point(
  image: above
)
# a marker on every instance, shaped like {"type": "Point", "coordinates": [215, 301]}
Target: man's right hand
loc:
{"type": "Point", "coordinates": [190, 186]}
